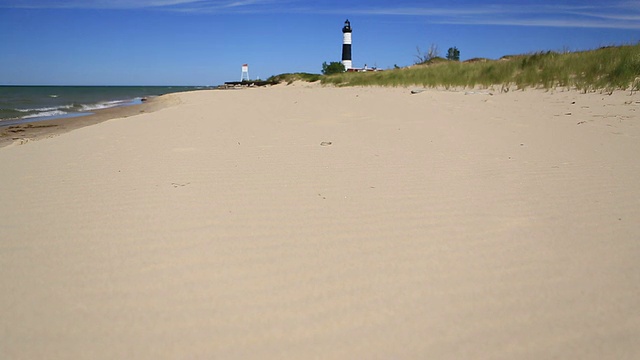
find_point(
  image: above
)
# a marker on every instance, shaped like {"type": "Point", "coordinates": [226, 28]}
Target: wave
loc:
{"type": "Point", "coordinates": [51, 113]}
{"type": "Point", "coordinates": [105, 105]}
{"type": "Point", "coordinates": [45, 109]}
{"type": "Point", "coordinates": [61, 110]}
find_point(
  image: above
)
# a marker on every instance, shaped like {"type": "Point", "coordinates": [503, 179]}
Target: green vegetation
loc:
{"type": "Point", "coordinates": [291, 77]}
{"type": "Point", "coordinates": [332, 68]}
{"type": "Point", "coordinates": [610, 68]}
{"type": "Point", "coordinates": [453, 54]}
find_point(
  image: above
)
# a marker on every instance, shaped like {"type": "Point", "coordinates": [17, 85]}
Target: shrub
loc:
{"type": "Point", "coordinates": [332, 68]}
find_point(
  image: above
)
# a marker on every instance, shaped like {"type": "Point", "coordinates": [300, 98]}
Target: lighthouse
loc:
{"type": "Point", "coordinates": [346, 45]}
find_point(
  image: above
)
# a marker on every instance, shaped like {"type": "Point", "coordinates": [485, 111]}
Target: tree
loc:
{"type": "Point", "coordinates": [333, 67]}
{"type": "Point", "coordinates": [431, 54]}
{"type": "Point", "coordinates": [453, 54]}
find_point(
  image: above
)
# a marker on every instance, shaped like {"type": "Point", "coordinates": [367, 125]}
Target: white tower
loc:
{"type": "Point", "coordinates": [245, 73]}
{"type": "Point", "coordinates": [346, 45]}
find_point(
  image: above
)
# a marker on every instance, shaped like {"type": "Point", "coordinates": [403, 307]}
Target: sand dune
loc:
{"type": "Point", "coordinates": [333, 223]}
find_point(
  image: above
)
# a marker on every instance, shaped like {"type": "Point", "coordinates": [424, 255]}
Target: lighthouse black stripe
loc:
{"type": "Point", "coordinates": [346, 51]}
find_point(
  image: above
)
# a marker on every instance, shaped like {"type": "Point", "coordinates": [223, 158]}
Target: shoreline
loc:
{"type": "Point", "coordinates": [41, 129]}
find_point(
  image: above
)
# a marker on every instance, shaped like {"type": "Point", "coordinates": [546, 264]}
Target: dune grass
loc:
{"type": "Point", "coordinates": [609, 69]}
{"type": "Point", "coordinates": [291, 77]}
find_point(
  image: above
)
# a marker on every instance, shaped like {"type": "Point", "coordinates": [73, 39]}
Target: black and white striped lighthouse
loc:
{"type": "Point", "coordinates": [346, 45]}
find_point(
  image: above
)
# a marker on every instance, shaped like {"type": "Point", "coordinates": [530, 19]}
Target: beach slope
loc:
{"type": "Point", "coordinates": [334, 223]}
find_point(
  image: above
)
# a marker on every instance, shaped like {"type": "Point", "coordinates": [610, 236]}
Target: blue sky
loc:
{"type": "Point", "coordinates": [205, 42]}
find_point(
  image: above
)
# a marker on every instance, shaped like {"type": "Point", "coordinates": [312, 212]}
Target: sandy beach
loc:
{"type": "Point", "coordinates": [309, 222]}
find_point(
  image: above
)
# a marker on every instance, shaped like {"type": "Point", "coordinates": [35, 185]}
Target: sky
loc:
{"type": "Point", "coordinates": [205, 42]}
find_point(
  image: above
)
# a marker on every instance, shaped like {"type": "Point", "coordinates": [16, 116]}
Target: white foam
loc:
{"type": "Point", "coordinates": [45, 114]}
{"type": "Point", "coordinates": [46, 108]}
{"type": "Point", "coordinates": [103, 105]}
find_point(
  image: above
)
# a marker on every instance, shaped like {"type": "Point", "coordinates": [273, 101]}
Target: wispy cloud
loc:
{"type": "Point", "coordinates": [621, 14]}
{"type": "Point", "coordinates": [111, 4]}
{"type": "Point", "coordinates": [566, 23]}
{"type": "Point", "coordinates": [237, 6]}
{"type": "Point", "coordinates": [618, 17]}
